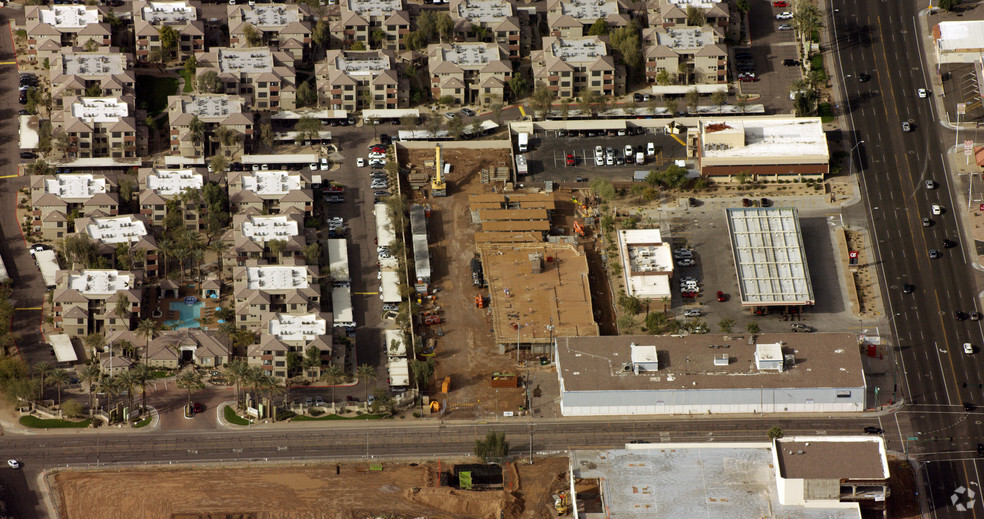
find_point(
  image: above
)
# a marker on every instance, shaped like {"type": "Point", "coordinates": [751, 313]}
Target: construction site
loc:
{"type": "Point", "coordinates": [508, 271]}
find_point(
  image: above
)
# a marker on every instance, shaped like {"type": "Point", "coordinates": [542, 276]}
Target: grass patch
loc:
{"type": "Point", "coordinates": [143, 423]}
{"type": "Point", "coordinates": [189, 85]}
{"type": "Point", "coordinates": [233, 418]}
{"type": "Point", "coordinates": [152, 91]}
{"type": "Point", "coordinates": [336, 417]}
{"type": "Point", "coordinates": [815, 36]}
{"type": "Point", "coordinates": [816, 62]}
{"type": "Point", "coordinates": [826, 112]}
{"type": "Point", "coordinates": [160, 374]}
{"type": "Point", "coordinates": [38, 423]}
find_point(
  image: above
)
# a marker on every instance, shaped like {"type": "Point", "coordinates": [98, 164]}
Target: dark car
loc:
{"type": "Point", "coordinates": [960, 316]}
{"type": "Point", "coordinates": [198, 407]}
{"type": "Point", "coordinates": [385, 139]}
{"type": "Point", "coordinates": [933, 254]}
{"type": "Point", "coordinates": [968, 406]}
{"type": "Point", "coordinates": [949, 244]}
{"type": "Point", "coordinates": [766, 202]}
{"type": "Point", "coordinates": [692, 202]}
{"type": "Point", "coordinates": [980, 450]}
{"type": "Point", "coordinates": [746, 202]}
{"type": "Point", "coordinates": [790, 62]}
{"type": "Point", "coordinates": [637, 97]}
{"type": "Point", "coordinates": [908, 289]}
{"type": "Point", "coordinates": [873, 430]}
{"type": "Point", "coordinates": [689, 294]}
{"type": "Point", "coordinates": [28, 155]}
{"type": "Point", "coordinates": [334, 199]}
{"type": "Point", "coordinates": [23, 112]}
{"type": "Point", "coordinates": [863, 77]}
{"type": "Point", "coordinates": [721, 297]}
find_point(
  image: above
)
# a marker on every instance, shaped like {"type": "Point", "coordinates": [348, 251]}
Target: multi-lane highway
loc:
{"type": "Point", "coordinates": [885, 41]}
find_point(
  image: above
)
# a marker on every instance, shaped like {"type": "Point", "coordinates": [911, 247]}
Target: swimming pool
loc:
{"type": "Point", "coordinates": [188, 315]}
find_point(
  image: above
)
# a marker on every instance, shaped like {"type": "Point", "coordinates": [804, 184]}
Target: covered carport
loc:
{"type": "Point", "coordinates": [62, 346]}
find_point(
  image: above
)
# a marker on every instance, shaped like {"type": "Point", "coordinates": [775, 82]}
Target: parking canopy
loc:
{"type": "Point", "coordinates": [64, 351]}
{"type": "Point", "coordinates": [596, 124]}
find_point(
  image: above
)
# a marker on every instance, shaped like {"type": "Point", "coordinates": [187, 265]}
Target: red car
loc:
{"type": "Point", "coordinates": [689, 294]}
{"type": "Point", "coordinates": [334, 189]}
{"type": "Point", "coordinates": [748, 79]}
{"type": "Point", "coordinates": [198, 407]}
{"type": "Point", "coordinates": [780, 3]}
{"type": "Point", "coordinates": [570, 159]}
{"type": "Point", "coordinates": [721, 297]}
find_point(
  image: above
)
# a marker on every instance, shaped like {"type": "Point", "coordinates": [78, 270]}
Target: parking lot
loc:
{"type": "Point", "coordinates": [769, 47]}
{"type": "Point", "coordinates": [548, 156]}
{"type": "Point", "coordinates": [704, 229]}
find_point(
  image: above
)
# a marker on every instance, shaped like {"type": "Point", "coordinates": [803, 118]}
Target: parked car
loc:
{"type": "Point", "coordinates": [922, 93]}
{"type": "Point", "coordinates": [14, 464]}
{"type": "Point", "coordinates": [450, 115]}
{"type": "Point", "coordinates": [198, 407]}
{"type": "Point", "coordinates": [690, 294]}
{"type": "Point", "coordinates": [468, 112]}
{"type": "Point", "coordinates": [28, 155]}
{"type": "Point", "coordinates": [780, 3]}
{"type": "Point", "coordinates": [691, 312]}
{"type": "Point", "coordinates": [765, 202]}
{"type": "Point", "coordinates": [637, 97]}
{"type": "Point", "coordinates": [746, 202]}
{"type": "Point", "coordinates": [686, 262]}
{"type": "Point", "coordinates": [788, 62]}
{"type": "Point", "coordinates": [570, 159]}
{"type": "Point", "coordinates": [721, 297]}
{"type": "Point", "coordinates": [39, 247]}
{"type": "Point", "coordinates": [360, 162]}
{"type": "Point", "coordinates": [785, 15]}
{"type": "Point", "coordinates": [785, 27]}
{"type": "Point", "coordinates": [334, 199]}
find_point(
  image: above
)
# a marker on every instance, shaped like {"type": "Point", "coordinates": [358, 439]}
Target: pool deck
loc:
{"type": "Point", "coordinates": [163, 305]}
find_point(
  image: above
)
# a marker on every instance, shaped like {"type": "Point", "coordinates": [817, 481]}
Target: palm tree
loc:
{"type": "Point", "coordinates": [148, 328]}
{"type": "Point", "coordinates": [190, 380]}
{"type": "Point", "coordinates": [90, 375]}
{"type": "Point", "coordinates": [112, 386]}
{"type": "Point", "coordinates": [236, 370]}
{"type": "Point", "coordinates": [127, 381]}
{"type": "Point", "coordinates": [253, 378]}
{"type": "Point", "coordinates": [219, 247]}
{"type": "Point", "coordinates": [365, 372]}
{"type": "Point", "coordinates": [122, 309]}
{"type": "Point", "coordinates": [165, 246]}
{"type": "Point", "coordinates": [42, 369]}
{"type": "Point", "coordinates": [142, 374]}
{"type": "Point", "coordinates": [312, 358]}
{"type": "Point", "coordinates": [58, 377]}
{"type": "Point", "coordinates": [333, 375]}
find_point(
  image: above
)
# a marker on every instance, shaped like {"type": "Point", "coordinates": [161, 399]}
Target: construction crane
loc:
{"type": "Point", "coordinates": [439, 187]}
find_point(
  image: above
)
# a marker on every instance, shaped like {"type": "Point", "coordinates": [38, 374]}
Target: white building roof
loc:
{"type": "Point", "coordinates": [272, 182]}
{"type": "Point", "coordinates": [62, 344]}
{"type": "Point", "coordinates": [385, 234]}
{"type": "Point", "coordinates": [211, 106]}
{"type": "Point", "coordinates": [763, 137]}
{"type": "Point", "coordinates": [685, 38]}
{"type": "Point", "coordinates": [271, 15]}
{"type": "Point", "coordinates": [28, 132]}
{"type": "Point", "coordinates": [363, 64]}
{"type": "Point", "coordinates": [248, 61]}
{"type": "Point", "coordinates": [394, 345]}
{"type": "Point", "coordinates": [74, 186]}
{"type": "Point", "coordinates": [168, 13]}
{"type": "Point", "coordinates": [485, 11]}
{"type": "Point", "coordinates": [290, 328]}
{"type": "Point", "coordinates": [100, 109]}
{"type": "Point", "coordinates": [100, 282]}
{"type": "Point", "coordinates": [341, 306]}
{"type": "Point", "coordinates": [700, 4]}
{"type": "Point", "coordinates": [68, 16]}
{"type": "Point", "coordinates": [588, 11]}
{"type": "Point", "coordinates": [962, 35]}
{"type": "Point", "coordinates": [469, 54]}
{"type": "Point", "coordinates": [374, 7]}
{"type": "Point", "coordinates": [578, 50]}
{"type": "Point", "coordinates": [770, 260]}
{"type": "Point", "coordinates": [398, 370]}
{"type": "Point", "coordinates": [92, 63]}
{"type": "Point", "coordinates": [117, 229]}
{"type": "Point", "coordinates": [647, 263]}
{"type": "Point", "coordinates": [171, 182]}
{"type": "Point", "coordinates": [274, 227]}
{"type": "Point", "coordinates": [276, 278]}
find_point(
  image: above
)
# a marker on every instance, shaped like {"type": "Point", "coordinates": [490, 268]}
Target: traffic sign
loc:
{"type": "Point", "coordinates": [961, 108]}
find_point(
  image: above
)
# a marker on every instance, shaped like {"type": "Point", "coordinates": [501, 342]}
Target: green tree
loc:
{"type": "Point", "coordinates": [493, 448]}
{"type": "Point", "coordinates": [543, 99]}
{"type": "Point", "coordinates": [496, 112]}
{"type": "Point", "coordinates": [142, 375]}
{"type": "Point", "coordinates": [663, 77]}
{"type": "Point", "coordinates": [308, 127]}
{"type": "Point", "coordinates": [254, 38]}
{"type": "Point", "coordinates": [91, 46]}
{"type": "Point", "coordinates": [627, 44]}
{"type": "Point", "coordinates": [306, 96]}
{"type": "Point", "coordinates": [208, 82]}
{"type": "Point", "coordinates": [599, 28]}
{"type": "Point", "coordinates": [603, 188]}
{"type": "Point", "coordinates": [90, 375]}
{"type": "Point", "coordinates": [236, 371]}
{"type": "Point", "coordinates": [366, 374]}
{"type": "Point", "coordinates": [357, 46]}
{"type": "Point", "coordinates": [741, 102]}
{"type": "Point", "coordinates": [671, 105]}
{"type": "Point", "coordinates": [312, 358]}
{"type": "Point", "coordinates": [719, 98]}
{"type": "Point", "coordinates": [518, 86]}
{"type": "Point", "coordinates": [332, 374]}
{"type": "Point", "coordinates": [948, 5]}
{"type": "Point", "coordinates": [629, 304]}
{"type": "Point", "coordinates": [752, 327]}
{"type": "Point", "coordinates": [806, 19]}
{"type": "Point", "coordinates": [743, 5]}
{"type": "Point", "coordinates": [191, 65]}
{"type": "Point", "coordinates": [58, 378]}
{"type": "Point", "coordinates": [726, 325]}
{"type": "Point", "coordinates": [122, 309]}
{"type": "Point", "coordinates": [775, 432]}
{"type": "Point", "coordinates": [218, 163]}
{"type": "Point", "coordinates": [266, 137]}
{"type": "Point", "coordinates": [197, 129]}
{"type": "Point", "coordinates": [125, 381]}
{"type": "Point", "coordinates": [321, 35]}
{"type": "Point", "coordinates": [444, 25]}
{"type": "Point", "coordinates": [72, 409]}
{"type": "Point", "coordinates": [190, 380]}
{"type": "Point", "coordinates": [169, 41]}
{"type": "Point", "coordinates": [695, 16]}
{"type": "Point", "coordinates": [693, 99]}
{"type": "Point", "coordinates": [455, 127]}
{"type": "Point", "coordinates": [148, 329]}
{"type": "Point", "coordinates": [312, 253]}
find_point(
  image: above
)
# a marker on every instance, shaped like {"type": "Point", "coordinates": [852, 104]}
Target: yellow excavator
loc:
{"type": "Point", "coordinates": [561, 503]}
{"type": "Point", "coordinates": [439, 187]}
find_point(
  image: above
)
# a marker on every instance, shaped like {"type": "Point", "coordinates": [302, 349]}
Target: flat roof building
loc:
{"type": "Point", "coordinates": [770, 259]}
{"type": "Point", "coordinates": [73, 72]}
{"type": "Point", "coordinates": [253, 235]}
{"type": "Point", "coordinates": [54, 197]}
{"type": "Point", "coordinates": [265, 78]}
{"type": "Point", "coordinates": [701, 50]}
{"type": "Point", "coordinates": [352, 80]}
{"type": "Point", "coordinates": [261, 291]}
{"type": "Point", "coordinates": [52, 27]}
{"type": "Point", "coordinates": [760, 148]}
{"type": "Point", "coordinates": [647, 263]}
{"type": "Point", "coordinates": [360, 18]}
{"type": "Point", "coordinates": [284, 27]}
{"type": "Point", "coordinates": [214, 110]}
{"type": "Point", "coordinates": [539, 291]}
{"type": "Point", "coordinates": [959, 41]}
{"type": "Point", "coordinates": [98, 127]}
{"type": "Point", "coordinates": [570, 64]}
{"type": "Point", "coordinates": [272, 191]}
{"type": "Point", "coordinates": [469, 72]}
{"type": "Point", "coordinates": [86, 301]}
{"type": "Point", "coordinates": [710, 374]}
{"type": "Point", "coordinates": [181, 16]}
{"type": "Point", "coordinates": [500, 19]}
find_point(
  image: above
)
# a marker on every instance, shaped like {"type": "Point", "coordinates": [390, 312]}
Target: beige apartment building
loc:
{"type": "Point", "coordinates": [496, 21]}
{"type": "Point", "coordinates": [51, 27]}
{"type": "Point", "coordinates": [77, 73]}
{"type": "Point", "coordinates": [569, 66]}
{"type": "Point", "coordinates": [87, 301]}
{"type": "Point", "coordinates": [573, 18]}
{"type": "Point", "coordinates": [262, 290]}
{"type": "Point", "coordinates": [265, 240]}
{"type": "Point", "coordinates": [184, 17]}
{"type": "Point", "coordinates": [214, 110]}
{"type": "Point", "coordinates": [294, 333]}
{"type": "Point", "coordinates": [283, 27]}
{"type": "Point", "coordinates": [361, 19]}
{"type": "Point", "coordinates": [673, 13]}
{"type": "Point", "coordinates": [97, 127]}
{"type": "Point", "coordinates": [354, 80]}
{"type": "Point", "coordinates": [688, 54]}
{"type": "Point", "coordinates": [158, 186]}
{"type": "Point", "coordinates": [270, 192]}
{"type": "Point", "coordinates": [127, 233]}
{"type": "Point", "coordinates": [55, 197]}
{"type": "Point", "coordinates": [265, 78]}
{"type": "Point", "coordinates": [470, 73]}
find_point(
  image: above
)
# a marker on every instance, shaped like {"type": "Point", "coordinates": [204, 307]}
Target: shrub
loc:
{"type": "Point", "coordinates": [72, 409]}
{"type": "Point", "coordinates": [39, 423]}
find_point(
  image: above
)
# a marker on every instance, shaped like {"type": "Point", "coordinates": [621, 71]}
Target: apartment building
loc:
{"type": "Point", "coordinates": [55, 197]}
{"type": "Point", "coordinates": [51, 27]}
{"type": "Point", "coordinates": [123, 240]}
{"type": "Point", "coordinates": [471, 73]}
{"type": "Point", "coordinates": [270, 192]}
{"type": "Point", "coordinates": [354, 80]}
{"type": "Point", "coordinates": [294, 333]}
{"type": "Point", "coordinates": [97, 127]}
{"type": "Point", "coordinates": [103, 72]}
{"type": "Point", "coordinates": [260, 291]}
{"type": "Point", "coordinates": [495, 21]}
{"type": "Point", "coordinates": [570, 65]}
{"type": "Point", "coordinates": [284, 27]}
{"type": "Point", "coordinates": [183, 16]}
{"type": "Point", "coordinates": [673, 13]}
{"type": "Point", "coordinates": [687, 54]}
{"type": "Point", "coordinates": [265, 239]}
{"type": "Point", "coordinates": [573, 18]}
{"type": "Point", "coordinates": [172, 348]}
{"type": "Point", "coordinates": [361, 20]}
{"type": "Point", "coordinates": [265, 78]}
{"type": "Point", "coordinates": [159, 186]}
{"type": "Point", "coordinates": [214, 110]}
{"type": "Point", "coordinates": [89, 301]}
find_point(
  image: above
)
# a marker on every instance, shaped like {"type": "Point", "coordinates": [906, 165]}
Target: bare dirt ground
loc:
{"type": "Point", "coordinates": [902, 504]}
{"type": "Point", "coordinates": [466, 352]}
{"type": "Point", "coordinates": [304, 491]}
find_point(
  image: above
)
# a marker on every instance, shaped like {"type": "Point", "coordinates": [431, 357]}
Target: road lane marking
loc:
{"type": "Point", "coordinates": [8, 62]}
{"type": "Point", "coordinates": [9, 176]}
{"type": "Point", "coordinates": [366, 293]}
{"type": "Point", "coordinates": [521, 111]}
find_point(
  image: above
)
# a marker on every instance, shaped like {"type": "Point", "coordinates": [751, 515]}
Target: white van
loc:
{"type": "Point", "coordinates": [650, 149]}
{"type": "Point", "coordinates": [640, 158]}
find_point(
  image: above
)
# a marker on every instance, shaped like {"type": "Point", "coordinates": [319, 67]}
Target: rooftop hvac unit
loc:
{"type": "Point", "coordinates": [721, 359]}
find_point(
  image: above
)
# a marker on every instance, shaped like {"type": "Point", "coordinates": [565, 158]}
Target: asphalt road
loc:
{"type": "Point", "coordinates": [935, 376]}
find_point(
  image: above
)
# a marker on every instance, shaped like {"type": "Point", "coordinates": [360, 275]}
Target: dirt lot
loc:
{"type": "Point", "coordinates": [902, 504]}
{"type": "Point", "coordinates": [304, 491]}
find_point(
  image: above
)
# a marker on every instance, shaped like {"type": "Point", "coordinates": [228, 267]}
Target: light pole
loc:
{"type": "Point", "coordinates": [851, 158]}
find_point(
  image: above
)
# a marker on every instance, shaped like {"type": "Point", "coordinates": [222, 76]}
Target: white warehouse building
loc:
{"type": "Point", "coordinates": [718, 374]}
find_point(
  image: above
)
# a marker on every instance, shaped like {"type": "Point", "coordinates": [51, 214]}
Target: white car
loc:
{"type": "Point", "coordinates": [785, 15]}
{"type": "Point", "coordinates": [686, 262]}
{"type": "Point", "coordinates": [650, 149]}
{"type": "Point", "coordinates": [691, 312]}
{"type": "Point", "coordinates": [324, 164]}
{"type": "Point", "coordinates": [629, 151]}
{"type": "Point", "coordinates": [381, 162]}
{"type": "Point", "coordinates": [360, 162]}
{"type": "Point", "coordinates": [922, 93]}
{"type": "Point", "coordinates": [599, 152]}
{"type": "Point", "coordinates": [937, 210]}
{"type": "Point", "coordinates": [599, 161]}
{"type": "Point", "coordinates": [313, 166]}
{"type": "Point", "coordinates": [785, 27]}
{"type": "Point", "coordinates": [376, 155]}
{"type": "Point", "coordinates": [967, 347]}
{"type": "Point", "coordinates": [609, 160]}
{"type": "Point", "coordinates": [14, 464]}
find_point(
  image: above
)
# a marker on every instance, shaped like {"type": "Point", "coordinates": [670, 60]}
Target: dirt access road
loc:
{"type": "Point", "coordinates": [305, 490]}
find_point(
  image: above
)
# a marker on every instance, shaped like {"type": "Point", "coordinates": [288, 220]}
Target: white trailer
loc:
{"type": "Point", "coordinates": [399, 374]}
{"type": "Point", "coordinates": [341, 304]}
{"type": "Point", "coordinates": [338, 263]}
{"type": "Point", "coordinates": [389, 287]}
{"type": "Point", "coordinates": [385, 233]}
{"type": "Point", "coordinates": [48, 263]}
{"type": "Point", "coordinates": [524, 142]}
{"type": "Point", "coordinates": [522, 168]}
{"type": "Point", "coordinates": [393, 343]}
